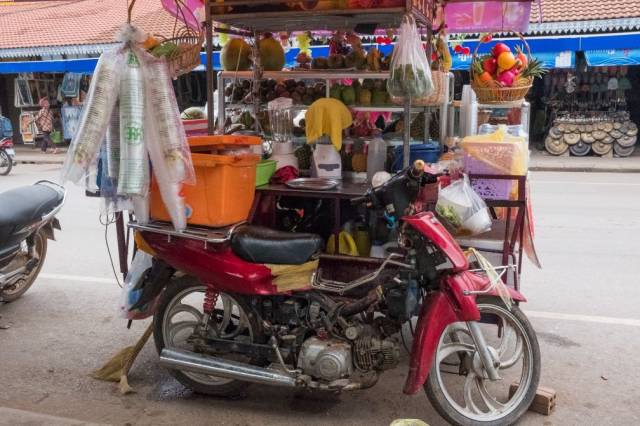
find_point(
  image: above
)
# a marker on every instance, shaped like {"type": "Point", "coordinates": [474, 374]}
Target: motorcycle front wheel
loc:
{"type": "Point", "coordinates": [181, 310]}
{"type": "Point", "coordinates": [6, 163]}
{"type": "Point", "coordinates": [458, 386]}
{"type": "Point", "coordinates": [13, 292]}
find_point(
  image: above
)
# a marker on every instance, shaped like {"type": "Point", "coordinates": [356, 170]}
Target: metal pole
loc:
{"type": "Point", "coordinates": [123, 247]}
{"type": "Point", "coordinates": [209, 66]}
{"type": "Point", "coordinates": [257, 77]}
{"type": "Point", "coordinates": [406, 140]}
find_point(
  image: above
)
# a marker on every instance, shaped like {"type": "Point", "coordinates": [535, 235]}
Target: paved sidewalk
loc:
{"type": "Point", "coordinates": [540, 161]}
{"type": "Point", "coordinates": [543, 161]}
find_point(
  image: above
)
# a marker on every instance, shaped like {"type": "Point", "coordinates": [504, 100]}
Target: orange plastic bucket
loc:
{"type": "Point", "coordinates": [223, 193]}
{"type": "Point", "coordinates": [217, 140]}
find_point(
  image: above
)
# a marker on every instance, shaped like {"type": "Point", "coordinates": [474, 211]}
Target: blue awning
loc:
{"type": "Point", "coordinates": [68, 65]}
{"type": "Point", "coordinates": [566, 59]}
{"type": "Point", "coordinates": [603, 58]}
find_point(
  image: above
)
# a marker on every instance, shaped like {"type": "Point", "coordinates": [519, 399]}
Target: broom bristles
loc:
{"type": "Point", "coordinates": [118, 366]}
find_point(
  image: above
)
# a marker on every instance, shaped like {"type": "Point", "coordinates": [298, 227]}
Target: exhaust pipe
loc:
{"type": "Point", "coordinates": [178, 359]}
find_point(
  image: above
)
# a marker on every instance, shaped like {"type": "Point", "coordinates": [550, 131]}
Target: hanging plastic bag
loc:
{"type": "Point", "coordinates": [133, 179]}
{"type": "Point", "coordinates": [112, 143]}
{"type": "Point", "coordinates": [169, 190]}
{"type": "Point", "coordinates": [169, 129]}
{"type": "Point", "coordinates": [133, 287]}
{"type": "Point", "coordinates": [463, 209]}
{"type": "Point", "coordinates": [410, 70]}
{"type": "Point", "coordinates": [96, 116]}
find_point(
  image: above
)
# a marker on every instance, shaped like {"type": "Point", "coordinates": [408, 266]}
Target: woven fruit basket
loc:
{"type": "Point", "coordinates": [185, 55]}
{"type": "Point", "coordinates": [501, 76]}
{"type": "Point", "coordinates": [182, 49]}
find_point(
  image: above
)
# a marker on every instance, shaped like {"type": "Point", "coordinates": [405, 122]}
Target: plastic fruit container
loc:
{"type": "Point", "coordinates": [264, 171]}
{"type": "Point", "coordinates": [224, 190]}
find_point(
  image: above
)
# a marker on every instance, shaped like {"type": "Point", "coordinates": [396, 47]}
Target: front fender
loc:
{"type": "Point", "coordinates": [439, 309]}
{"type": "Point", "coordinates": [435, 315]}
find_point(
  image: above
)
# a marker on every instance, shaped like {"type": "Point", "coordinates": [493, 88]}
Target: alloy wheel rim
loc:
{"type": "Point", "coordinates": [478, 402]}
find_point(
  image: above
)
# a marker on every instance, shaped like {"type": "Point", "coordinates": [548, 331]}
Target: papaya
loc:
{"type": "Point", "coordinates": [271, 53]}
{"type": "Point", "coordinates": [236, 55]}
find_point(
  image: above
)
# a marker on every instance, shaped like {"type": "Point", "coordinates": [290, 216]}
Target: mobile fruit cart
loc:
{"type": "Point", "coordinates": [158, 236]}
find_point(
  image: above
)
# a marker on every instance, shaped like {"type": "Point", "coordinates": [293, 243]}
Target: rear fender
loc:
{"type": "Point", "coordinates": [48, 228]}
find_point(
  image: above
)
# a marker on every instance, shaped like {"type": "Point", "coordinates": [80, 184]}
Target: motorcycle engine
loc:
{"type": "Point", "coordinates": [328, 359]}
{"type": "Point", "coordinates": [376, 353]}
{"type": "Point", "coordinates": [333, 359]}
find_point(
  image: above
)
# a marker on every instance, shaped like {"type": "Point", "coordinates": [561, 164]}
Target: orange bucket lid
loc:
{"type": "Point", "coordinates": [212, 140]}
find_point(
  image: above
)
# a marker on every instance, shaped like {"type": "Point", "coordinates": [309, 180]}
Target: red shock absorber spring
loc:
{"type": "Point", "coordinates": [210, 300]}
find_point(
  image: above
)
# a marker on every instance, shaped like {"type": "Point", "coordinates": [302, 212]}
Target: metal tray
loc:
{"type": "Point", "coordinates": [313, 184]}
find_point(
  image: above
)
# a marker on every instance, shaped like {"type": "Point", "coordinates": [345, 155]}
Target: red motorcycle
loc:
{"type": "Point", "coordinates": [226, 318]}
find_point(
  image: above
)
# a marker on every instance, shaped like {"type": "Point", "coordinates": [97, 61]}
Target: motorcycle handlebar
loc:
{"type": "Point", "coordinates": [359, 200]}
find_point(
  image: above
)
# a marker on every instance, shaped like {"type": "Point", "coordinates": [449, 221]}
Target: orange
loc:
{"type": "Point", "coordinates": [506, 60]}
{"type": "Point", "coordinates": [485, 77]}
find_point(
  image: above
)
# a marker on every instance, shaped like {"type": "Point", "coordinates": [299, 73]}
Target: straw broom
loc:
{"type": "Point", "coordinates": [117, 368]}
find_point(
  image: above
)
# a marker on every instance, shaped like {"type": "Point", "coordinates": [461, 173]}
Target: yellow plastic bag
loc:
{"type": "Point", "coordinates": [346, 244]}
{"type": "Point", "coordinates": [500, 151]}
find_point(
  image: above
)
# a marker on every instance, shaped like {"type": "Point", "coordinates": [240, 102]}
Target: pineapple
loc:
{"type": "Point", "coordinates": [534, 69]}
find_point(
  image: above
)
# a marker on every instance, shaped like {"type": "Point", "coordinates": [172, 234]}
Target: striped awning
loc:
{"type": "Point", "coordinates": [581, 27]}
{"type": "Point", "coordinates": [82, 50]}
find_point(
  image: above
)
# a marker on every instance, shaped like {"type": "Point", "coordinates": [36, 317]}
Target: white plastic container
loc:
{"type": "Point", "coordinates": [283, 155]}
{"type": "Point", "coordinates": [326, 162]}
{"type": "Point", "coordinates": [376, 157]}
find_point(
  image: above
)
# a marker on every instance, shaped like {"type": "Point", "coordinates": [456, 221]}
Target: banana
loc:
{"type": "Point", "coordinates": [443, 49]}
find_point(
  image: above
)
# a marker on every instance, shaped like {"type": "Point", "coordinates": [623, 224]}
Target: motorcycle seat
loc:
{"type": "Point", "coordinates": [23, 206]}
{"type": "Point", "coordinates": [257, 244]}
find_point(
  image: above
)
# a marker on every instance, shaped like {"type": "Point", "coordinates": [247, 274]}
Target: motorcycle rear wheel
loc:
{"type": "Point", "coordinates": [6, 163]}
{"type": "Point", "coordinates": [232, 318]}
{"type": "Point", "coordinates": [14, 292]}
{"type": "Point", "coordinates": [476, 400]}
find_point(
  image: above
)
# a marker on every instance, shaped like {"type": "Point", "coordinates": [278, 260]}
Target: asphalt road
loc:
{"type": "Point", "coordinates": [583, 305]}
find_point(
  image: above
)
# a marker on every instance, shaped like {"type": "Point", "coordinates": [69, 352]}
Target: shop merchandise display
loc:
{"type": "Point", "coordinates": [149, 128]}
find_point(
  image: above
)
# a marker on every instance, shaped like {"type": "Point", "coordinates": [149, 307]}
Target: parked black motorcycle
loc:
{"type": "Point", "coordinates": [27, 221]}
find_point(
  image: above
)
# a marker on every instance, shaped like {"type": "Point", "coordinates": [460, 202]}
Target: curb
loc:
{"type": "Point", "coordinates": [40, 161]}
{"type": "Point", "coordinates": [11, 416]}
{"type": "Point", "coordinates": [578, 169]}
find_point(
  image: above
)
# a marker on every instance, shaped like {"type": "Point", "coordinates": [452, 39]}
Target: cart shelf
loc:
{"type": "Point", "coordinates": [306, 74]}
{"type": "Point", "coordinates": [357, 108]}
{"type": "Point", "coordinates": [362, 20]}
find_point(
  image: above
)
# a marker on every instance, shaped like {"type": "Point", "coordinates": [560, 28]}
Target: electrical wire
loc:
{"type": "Point", "coordinates": [107, 220]}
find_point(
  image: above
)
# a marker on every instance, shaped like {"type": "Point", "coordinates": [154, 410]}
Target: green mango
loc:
{"type": "Point", "coordinates": [349, 95]}
{"type": "Point", "coordinates": [336, 92]}
{"type": "Point", "coordinates": [365, 97]}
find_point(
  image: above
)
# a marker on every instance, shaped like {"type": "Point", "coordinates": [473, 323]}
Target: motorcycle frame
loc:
{"type": "Point", "coordinates": [455, 299]}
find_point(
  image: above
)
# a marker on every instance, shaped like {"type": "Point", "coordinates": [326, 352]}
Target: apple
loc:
{"type": "Point", "coordinates": [499, 48]}
{"type": "Point", "coordinates": [490, 65]}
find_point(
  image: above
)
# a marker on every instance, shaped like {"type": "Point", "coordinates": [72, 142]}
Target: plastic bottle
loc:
{"type": "Point", "coordinates": [376, 157]}
{"type": "Point", "coordinates": [377, 250]}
